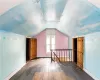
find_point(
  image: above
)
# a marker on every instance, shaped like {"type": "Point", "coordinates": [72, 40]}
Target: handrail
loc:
{"type": "Point", "coordinates": [59, 49]}
{"type": "Point", "coordinates": [67, 54]}
{"type": "Point", "coordinates": [65, 49]}
{"type": "Point", "coordinates": [56, 56]}
{"type": "Point", "coordinates": [56, 52]}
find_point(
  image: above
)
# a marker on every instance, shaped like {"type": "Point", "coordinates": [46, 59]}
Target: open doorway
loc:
{"type": "Point", "coordinates": [78, 48]}
{"type": "Point", "coordinates": [27, 49]}
{"type": "Point", "coordinates": [31, 48]}
{"type": "Point", "coordinates": [75, 49]}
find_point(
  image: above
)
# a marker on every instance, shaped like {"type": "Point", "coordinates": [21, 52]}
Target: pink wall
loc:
{"type": "Point", "coordinates": [61, 43]}
{"type": "Point", "coordinates": [61, 40]}
{"type": "Point", "coordinates": [41, 44]}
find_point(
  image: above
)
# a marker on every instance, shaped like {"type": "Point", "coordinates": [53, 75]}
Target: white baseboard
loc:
{"type": "Point", "coordinates": [89, 73]}
{"type": "Point", "coordinates": [14, 72]}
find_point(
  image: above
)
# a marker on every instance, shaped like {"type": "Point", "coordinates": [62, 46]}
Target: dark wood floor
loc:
{"type": "Point", "coordinates": [43, 69]}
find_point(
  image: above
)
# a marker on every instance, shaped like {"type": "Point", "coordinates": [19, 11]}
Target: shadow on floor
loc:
{"type": "Point", "coordinates": [72, 70]}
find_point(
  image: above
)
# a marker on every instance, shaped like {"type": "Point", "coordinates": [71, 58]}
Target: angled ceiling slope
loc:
{"type": "Point", "coordinates": [29, 17]}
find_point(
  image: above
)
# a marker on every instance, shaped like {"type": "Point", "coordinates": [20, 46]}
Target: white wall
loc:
{"type": "Point", "coordinates": [12, 52]}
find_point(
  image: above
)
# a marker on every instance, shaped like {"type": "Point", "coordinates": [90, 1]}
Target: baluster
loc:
{"type": "Point", "coordinates": [56, 54]}
{"type": "Point", "coordinates": [59, 55]}
{"type": "Point", "coordinates": [54, 57]}
{"type": "Point", "coordinates": [67, 52]}
{"type": "Point", "coordinates": [64, 55]}
{"type": "Point", "coordinates": [69, 55]}
{"type": "Point", "coordinates": [72, 55]}
{"type": "Point", "coordinates": [51, 55]}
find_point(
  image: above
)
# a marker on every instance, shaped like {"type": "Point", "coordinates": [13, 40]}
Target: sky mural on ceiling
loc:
{"type": "Point", "coordinates": [72, 17]}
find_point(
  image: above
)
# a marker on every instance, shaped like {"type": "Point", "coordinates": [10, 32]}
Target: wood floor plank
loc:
{"type": "Point", "coordinates": [43, 69]}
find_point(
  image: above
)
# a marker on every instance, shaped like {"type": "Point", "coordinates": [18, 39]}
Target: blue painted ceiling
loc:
{"type": "Point", "coordinates": [72, 17]}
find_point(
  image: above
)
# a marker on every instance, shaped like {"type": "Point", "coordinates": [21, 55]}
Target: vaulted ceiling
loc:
{"type": "Point", "coordinates": [29, 17]}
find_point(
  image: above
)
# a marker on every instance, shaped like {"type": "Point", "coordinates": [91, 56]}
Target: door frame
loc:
{"type": "Point", "coordinates": [74, 55]}
{"type": "Point", "coordinates": [31, 48]}
{"type": "Point", "coordinates": [79, 50]}
{"type": "Point", "coordinates": [27, 49]}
